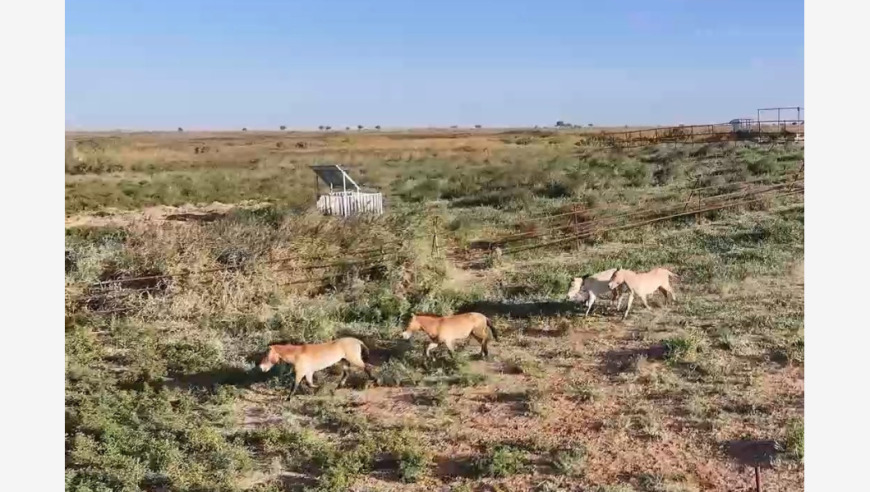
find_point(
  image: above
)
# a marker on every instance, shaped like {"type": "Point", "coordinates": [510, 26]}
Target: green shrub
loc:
{"type": "Point", "coordinates": [636, 173]}
{"type": "Point", "coordinates": [794, 440]}
{"type": "Point", "coordinates": [570, 462]}
{"type": "Point", "coordinates": [501, 461]}
{"type": "Point", "coordinates": [97, 236]}
{"type": "Point", "coordinates": [340, 467]}
{"type": "Point", "coordinates": [190, 357]}
{"type": "Point", "coordinates": [122, 440]}
{"type": "Point", "coordinates": [583, 392]}
{"type": "Point", "coordinates": [410, 456]}
{"type": "Point", "coordinates": [680, 349]}
{"type": "Point", "coordinates": [381, 307]}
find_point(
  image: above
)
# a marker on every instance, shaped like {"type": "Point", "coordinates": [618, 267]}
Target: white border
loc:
{"type": "Point", "coordinates": [836, 258]}
{"type": "Point", "coordinates": [31, 187]}
{"type": "Point", "coordinates": [838, 128]}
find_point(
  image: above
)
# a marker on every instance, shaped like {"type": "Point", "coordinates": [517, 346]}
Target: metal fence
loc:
{"type": "Point", "coordinates": [349, 203]}
{"type": "Point", "coordinates": [757, 131]}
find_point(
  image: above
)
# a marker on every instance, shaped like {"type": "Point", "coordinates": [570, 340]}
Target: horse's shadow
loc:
{"type": "Point", "coordinates": [462, 466]}
{"type": "Point", "coordinates": [619, 361]}
{"type": "Point", "coordinates": [222, 376]}
{"type": "Point", "coordinates": [381, 350]}
{"type": "Point", "coordinates": [753, 453]}
{"type": "Point", "coordinates": [208, 380]}
{"type": "Point", "coordinates": [196, 217]}
{"type": "Point", "coordinates": [522, 310]}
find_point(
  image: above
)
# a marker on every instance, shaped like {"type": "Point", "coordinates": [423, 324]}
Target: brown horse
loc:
{"type": "Point", "coordinates": [307, 359]}
{"type": "Point", "coordinates": [449, 329]}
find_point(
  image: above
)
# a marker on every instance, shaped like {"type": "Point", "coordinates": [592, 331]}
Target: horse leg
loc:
{"type": "Point", "coordinates": [343, 376]}
{"type": "Point", "coordinates": [296, 381]}
{"type": "Point", "coordinates": [357, 361]}
{"type": "Point", "coordinates": [368, 369]}
{"type": "Point", "coordinates": [482, 340]}
{"type": "Point", "coordinates": [645, 303]}
{"type": "Point", "coordinates": [449, 346]}
{"type": "Point", "coordinates": [628, 307]}
{"type": "Point", "coordinates": [432, 346]}
{"type": "Point", "coordinates": [589, 303]}
{"type": "Point", "coordinates": [669, 291]}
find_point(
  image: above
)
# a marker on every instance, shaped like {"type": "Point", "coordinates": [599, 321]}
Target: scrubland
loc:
{"type": "Point", "coordinates": [162, 392]}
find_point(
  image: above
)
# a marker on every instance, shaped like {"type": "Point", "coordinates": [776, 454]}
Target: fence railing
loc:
{"type": "Point", "coordinates": [559, 229]}
{"type": "Point", "coordinates": [582, 222]}
{"type": "Point", "coordinates": [786, 130]}
{"type": "Point", "coordinates": [350, 203]}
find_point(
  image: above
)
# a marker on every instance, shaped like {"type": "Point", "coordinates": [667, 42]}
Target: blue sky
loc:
{"type": "Point", "coordinates": [259, 64]}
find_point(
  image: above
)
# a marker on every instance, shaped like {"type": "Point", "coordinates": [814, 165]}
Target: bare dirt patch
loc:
{"type": "Point", "coordinates": [161, 213]}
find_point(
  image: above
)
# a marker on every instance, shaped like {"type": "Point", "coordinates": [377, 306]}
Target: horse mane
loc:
{"type": "Point", "coordinates": [282, 342]}
{"type": "Point", "coordinates": [429, 315]}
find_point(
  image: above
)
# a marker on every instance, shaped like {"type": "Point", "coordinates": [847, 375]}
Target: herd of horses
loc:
{"type": "Point", "coordinates": [307, 359]}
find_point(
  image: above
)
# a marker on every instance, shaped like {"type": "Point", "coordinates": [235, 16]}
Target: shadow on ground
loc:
{"type": "Point", "coordinates": [752, 453]}
{"type": "Point", "coordinates": [296, 482]}
{"type": "Point", "coordinates": [232, 376]}
{"type": "Point", "coordinates": [462, 466]}
{"type": "Point", "coordinates": [196, 217]}
{"type": "Point", "coordinates": [620, 361]}
{"type": "Point", "coordinates": [518, 402]}
{"type": "Point", "coordinates": [522, 310]}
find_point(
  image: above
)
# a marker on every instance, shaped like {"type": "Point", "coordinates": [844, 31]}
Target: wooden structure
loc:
{"type": "Point", "coordinates": [345, 198]}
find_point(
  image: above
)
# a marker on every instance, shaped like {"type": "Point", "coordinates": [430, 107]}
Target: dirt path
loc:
{"type": "Point", "coordinates": [162, 213]}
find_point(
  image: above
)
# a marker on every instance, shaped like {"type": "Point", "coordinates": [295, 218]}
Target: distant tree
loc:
{"type": "Point", "coordinates": [560, 124]}
{"type": "Point", "coordinates": [378, 127]}
{"type": "Point", "coordinates": [454, 126]}
{"type": "Point", "coordinates": [359, 127]}
{"type": "Point", "coordinates": [589, 125]}
{"type": "Point", "coordinates": [347, 128]}
{"type": "Point", "coordinates": [328, 128]}
{"type": "Point", "coordinates": [244, 129]}
{"type": "Point", "coordinates": [180, 129]}
{"type": "Point", "coordinates": [477, 126]}
{"type": "Point", "coordinates": [283, 127]}
{"type": "Point", "coordinates": [320, 127]}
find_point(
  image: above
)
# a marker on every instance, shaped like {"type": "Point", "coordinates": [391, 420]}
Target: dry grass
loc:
{"type": "Point", "coordinates": [164, 394]}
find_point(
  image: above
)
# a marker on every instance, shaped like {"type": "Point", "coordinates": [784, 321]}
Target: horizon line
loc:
{"type": "Point", "coordinates": [372, 129]}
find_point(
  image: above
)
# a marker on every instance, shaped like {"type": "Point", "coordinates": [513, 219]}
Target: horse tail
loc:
{"type": "Point", "coordinates": [492, 329]}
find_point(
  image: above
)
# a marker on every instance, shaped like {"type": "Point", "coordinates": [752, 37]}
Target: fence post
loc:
{"type": "Point", "coordinates": [692, 192]}
{"type": "Point", "coordinates": [575, 228]}
{"type": "Point", "coordinates": [434, 234]}
{"type": "Point", "coordinates": [797, 176]}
